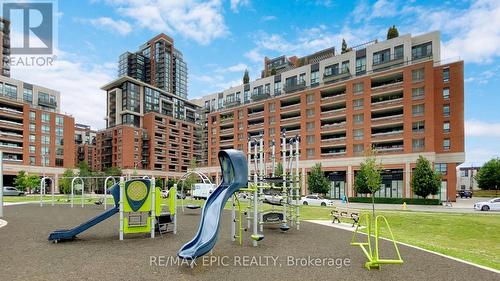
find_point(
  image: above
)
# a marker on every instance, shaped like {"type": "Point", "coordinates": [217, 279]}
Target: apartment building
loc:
{"type": "Point", "coordinates": [465, 178]}
{"type": "Point", "coordinates": [33, 131]}
{"type": "Point", "coordinates": [147, 128]}
{"type": "Point", "coordinates": [85, 140]}
{"type": "Point", "coordinates": [157, 63]}
{"type": "Point", "coordinates": [396, 96]}
{"type": "Point", "coordinates": [5, 47]}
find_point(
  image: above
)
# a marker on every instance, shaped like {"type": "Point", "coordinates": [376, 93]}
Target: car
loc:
{"type": "Point", "coordinates": [493, 205]}
{"type": "Point", "coordinates": [315, 200]}
{"type": "Point", "coordinates": [164, 194]}
{"type": "Point", "coordinates": [274, 199]}
{"type": "Point", "coordinates": [465, 194]}
{"type": "Point", "coordinates": [12, 191]}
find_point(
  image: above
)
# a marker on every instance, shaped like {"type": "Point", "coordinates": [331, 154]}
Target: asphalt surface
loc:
{"type": "Point", "coordinates": [25, 253]}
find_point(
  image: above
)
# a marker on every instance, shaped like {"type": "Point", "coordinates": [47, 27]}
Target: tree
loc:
{"type": "Point", "coordinates": [273, 71]}
{"type": "Point", "coordinates": [65, 181]}
{"type": "Point", "coordinates": [32, 181]}
{"type": "Point", "coordinates": [113, 171]}
{"type": "Point", "coordinates": [488, 177]}
{"type": "Point", "coordinates": [344, 46]}
{"type": "Point", "coordinates": [360, 183]}
{"type": "Point", "coordinates": [246, 77]}
{"type": "Point", "coordinates": [20, 181]}
{"type": "Point", "coordinates": [278, 172]}
{"type": "Point", "coordinates": [392, 32]}
{"type": "Point", "coordinates": [171, 182]}
{"type": "Point", "coordinates": [425, 180]}
{"type": "Point", "coordinates": [369, 177]}
{"type": "Point", "coordinates": [192, 178]}
{"type": "Point", "coordinates": [316, 181]}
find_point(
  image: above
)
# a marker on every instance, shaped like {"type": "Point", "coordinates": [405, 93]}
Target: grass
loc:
{"type": "Point", "coordinates": [473, 237]}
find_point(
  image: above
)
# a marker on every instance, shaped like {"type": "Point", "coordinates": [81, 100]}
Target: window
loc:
{"type": "Point", "coordinates": [446, 144]}
{"type": "Point", "coordinates": [398, 52]}
{"type": "Point", "coordinates": [310, 126]}
{"type": "Point", "coordinates": [245, 96]}
{"type": "Point", "coordinates": [446, 110]}
{"type": "Point", "coordinates": [45, 139]}
{"type": "Point", "coordinates": [32, 127]}
{"type": "Point", "coordinates": [45, 151]}
{"type": "Point", "coordinates": [381, 57]}
{"type": "Point", "coordinates": [358, 88]}
{"type": "Point", "coordinates": [358, 104]}
{"type": "Point", "coordinates": [59, 132]}
{"type": "Point", "coordinates": [446, 93]}
{"type": "Point", "coordinates": [32, 160]}
{"type": "Point", "coordinates": [331, 70]}
{"type": "Point", "coordinates": [417, 75]}
{"type": "Point", "coordinates": [32, 149]}
{"type": "Point", "coordinates": [45, 117]}
{"type": "Point", "coordinates": [358, 119]}
{"type": "Point", "coordinates": [360, 65]}
{"type": "Point", "coordinates": [418, 110]}
{"type": "Point", "coordinates": [277, 88]}
{"type": "Point", "coordinates": [358, 134]}
{"type": "Point", "coordinates": [314, 77]}
{"type": "Point", "coordinates": [345, 66]}
{"type": "Point", "coordinates": [28, 96]}
{"type": "Point", "coordinates": [272, 107]}
{"type": "Point", "coordinates": [418, 127]}
{"type": "Point", "coordinates": [271, 131]}
{"type": "Point", "coordinates": [421, 51]}
{"type": "Point", "coordinates": [310, 152]}
{"type": "Point", "coordinates": [302, 79]}
{"type": "Point", "coordinates": [310, 98]}
{"type": "Point", "coordinates": [418, 144]}
{"type": "Point", "coordinates": [32, 115]}
{"type": "Point", "coordinates": [446, 75]}
{"type": "Point", "coordinates": [59, 120]}
{"type": "Point", "coordinates": [32, 138]}
{"type": "Point", "coordinates": [417, 93]}
{"type": "Point", "coordinates": [310, 112]}
{"type": "Point", "coordinates": [238, 96]}
{"type": "Point", "coordinates": [446, 127]}
{"type": "Point", "coordinates": [310, 139]}
{"type": "Point", "coordinates": [441, 168]}
{"type": "Point", "coordinates": [358, 149]}
{"type": "Point", "coordinates": [10, 91]}
{"type": "Point", "coordinates": [45, 129]}
{"type": "Point", "coordinates": [272, 120]}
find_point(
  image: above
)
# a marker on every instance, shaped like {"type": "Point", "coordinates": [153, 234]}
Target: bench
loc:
{"type": "Point", "coordinates": [338, 213]}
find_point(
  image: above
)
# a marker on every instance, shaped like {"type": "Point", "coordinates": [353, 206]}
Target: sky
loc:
{"type": "Point", "coordinates": [220, 39]}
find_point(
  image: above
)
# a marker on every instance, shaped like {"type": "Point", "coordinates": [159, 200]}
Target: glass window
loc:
{"type": "Point", "coordinates": [245, 96]}
{"type": "Point", "coordinates": [418, 144]}
{"type": "Point", "coordinates": [272, 107]}
{"type": "Point", "coordinates": [418, 109]}
{"type": "Point", "coordinates": [59, 132]}
{"type": "Point", "coordinates": [446, 74]}
{"type": "Point", "coordinates": [32, 115]}
{"type": "Point", "coordinates": [310, 152]}
{"type": "Point", "coordinates": [32, 149]}
{"type": "Point", "coordinates": [45, 117]}
{"type": "Point", "coordinates": [446, 93]}
{"type": "Point", "coordinates": [358, 87]}
{"type": "Point", "coordinates": [358, 134]}
{"type": "Point", "coordinates": [446, 144]}
{"type": "Point", "coordinates": [32, 138]}
{"type": "Point", "coordinates": [32, 127]}
{"type": "Point", "coordinates": [381, 56]}
{"type": "Point", "coordinates": [417, 93]}
{"type": "Point", "coordinates": [32, 160]}
{"type": "Point", "coordinates": [360, 65]}
{"type": "Point", "coordinates": [332, 70]}
{"type": "Point", "coordinates": [358, 119]}
{"type": "Point", "coordinates": [441, 168]}
{"type": "Point", "coordinates": [398, 52]}
{"type": "Point", "coordinates": [358, 104]}
{"type": "Point", "coordinates": [302, 79]}
{"type": "Point", "coordinates": [314, 77]}
{"type": "Point", "coordinates": [421, 51]}
{"type": "Point", "coordinates": [310, 112]}
{"type": "Point", "coordinates": [446, 110]}
{"type": "Point", "coordinates": [310, 139]}
{"type": "Point", "coordinates": [310, 98]}
{"type": "Point", "coordinates": [345, 66]}
{"type": "Point", "coordinates": [277, 88]}
{"type": "Point", "coordinates": [446, 127]}
{"type": "Point", "coordinates": [59, 120]}
{"type": "Point", "coordinates": [417, 75]}
{"type": "Point", "coordinates": [271, 131]}
{"type": "Point", "coordinates": [45, 139]}
{"type": "Point", "coordinates": [418, 127]}
{"type": "Point", "coordinates": [10, 91]}
{"type": "Point", "coordinates": [310, 126]}
{"type": "Point", "coordinates": [45, 129]}
{"type": "Point", "coordinates": [28, 96]}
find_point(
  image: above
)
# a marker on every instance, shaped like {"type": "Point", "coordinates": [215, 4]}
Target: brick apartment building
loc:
{"type": "Point", "coordinates": [396, 96]}
{"type": "Point", "coordinates": [4, 47]}
{"type": "Point", "coordinates": [85, 139]}
{"type": "Point", "coordinates": [34, 136]}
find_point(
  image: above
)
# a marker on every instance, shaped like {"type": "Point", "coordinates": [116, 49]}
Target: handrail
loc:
{"type": "Point", "coordinates": [106, 189]}
{"type": "Point", "coordinates": [73, 189]}
{"type": "Point", "coordinates": [42, 189]}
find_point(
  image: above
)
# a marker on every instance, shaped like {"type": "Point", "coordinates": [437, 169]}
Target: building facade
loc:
{"type": "Point", "coordinates": [147, 129]}
{"type": "Point", "coordinates": [395, 96]}
{"type": "Point", "coordinates": [5, 47]}
{"type": "Point", "coordinates": [157, 63]}
{"type": "Point", "coordinates": [85, 140]}
{"type": "Point", "coordinates": [33, 133]}
{"type": "Point", "coordinates": [465, 178]}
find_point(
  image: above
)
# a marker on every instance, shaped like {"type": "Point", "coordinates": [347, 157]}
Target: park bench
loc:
{"type": "Point", "coordinates": [338, 213]}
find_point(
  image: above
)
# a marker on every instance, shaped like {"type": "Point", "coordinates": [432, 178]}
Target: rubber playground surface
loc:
{"type": "Point", "coordinates": [315, 252]}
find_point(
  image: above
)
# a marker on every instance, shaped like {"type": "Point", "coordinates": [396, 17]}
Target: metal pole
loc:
{"type": "Point", "coordinates": [153, 206]}
{"type": "Point", "coordinates": [1, 184]}
{"type": "Point", "coordinates": [42, 191]}
{"type": "Point", "coordinates": [175, 208]}
{"type": "Point", "coordinates": [106, 189]}
{"type": "Point", "coordinates": [249, 159]}
{"type": "Point", "coordinates": [52, 186]}
{"type": "Point", "coordinates": [283, 153]}
{"type": "Point", "coordinates": [261, 180]}
{"type": "Point", "coordinates": [297, 185]}
{"type": "Point", "coordinates": [122, 193]}
{"type": "Point", "coordinates": [233, 220]}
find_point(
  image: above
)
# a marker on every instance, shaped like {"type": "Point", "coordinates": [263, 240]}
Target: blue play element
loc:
{"type": "Point", "coordinates": [70, 234]}
{"type": "Point", "coordinates": [234, 176]}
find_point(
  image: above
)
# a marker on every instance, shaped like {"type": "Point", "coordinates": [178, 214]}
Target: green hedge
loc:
{"type": "Point", "coordinates": [413, 201]}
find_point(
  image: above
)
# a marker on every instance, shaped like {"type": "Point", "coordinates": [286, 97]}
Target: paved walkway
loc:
{"type": "Point", "coordinates": [99, 255]}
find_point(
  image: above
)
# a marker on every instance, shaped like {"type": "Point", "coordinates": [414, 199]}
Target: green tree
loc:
{"type": "Point", "coordinates": [369, 173]}
{"type": "Point", "coordinates": [246, 77]}
{"type": "Point", "coordinates": [192, 178]}
{"type": "Point", "coordinates": [113, 171]}
{"type": "Point", "coordinates": [425, 180]}
{"type": "Point", "coordinates": [65, 181]}
{"type": "Point", "coordinates": [20, 181]}
{"type": "Point", "coordinates": [32, 181]}
{"type": "Point", "coordinates": [360, 183]}
{"type": "Point", "coordinates": [316, 181]}
{"type": "Point", "coordinates": [344, 46]}
{"type": "Point", "coordinates": [171, 182]}
{"type": "Point", "coordinates": [488, 177]}
{"type": "Point", "coordinates": [392, 32]}
{"type": "Point", "coordinates": [273, 71]}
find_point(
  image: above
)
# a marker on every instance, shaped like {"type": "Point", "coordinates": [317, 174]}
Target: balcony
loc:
{"type": "Point", "coordinates": [228, 131]}
{"type": "Point", "coordinates": [333, 112]}
{"type": "Point", "coordinates": [290, 120]}
{"type": "Point", "coordinates": [389, 149]}
{"type": "Point", "coordinates": [231, 104]}
{"type": "Point", "coordinates": [390, 62]}
{"type": "Point", "coordinates": [330, 141]}
{"type": "Point", "coordinates": [337, 126]}
{"type": "Point", "coordinates": [396, 134]}
{"type": "Point", "coordinates": [333, 153]}
{"type": "Point", "coordinates": [47, 102]}
{"type": "Point", "coordinates": [387, 119]}
{"type": "Point", "coordinates": [387, 103]}
{"type": "Point", "coordinates": [295, 87]}
{"type": "Point", "coordinates": [261, 96]}
{"type": "Point", "coordinates": [289, 108]}
{"type": "Point", "coordinates": [330, 99]}
{"type": "Point", "coordinates": [387, 82]}
{"type": "Point", "coordinates": [226, 120]}
{"type": "Point", "coordinates": [336, 76]}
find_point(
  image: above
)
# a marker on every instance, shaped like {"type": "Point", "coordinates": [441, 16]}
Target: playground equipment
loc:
{"type": "Point", "coordinates": [374, 260]}
{"type": "Point", "coordinates": [234, 176]}
{"type": "Point", "coordinates": [288, 183]}
{"type": "Point", "coordinates": [1, 184]}
{"type": "Point", "coordinates": [42, 189]}
{"type": "Point", "coordinates": [181, 182]}
{"type": "Point", "coordinates": [139, 205]}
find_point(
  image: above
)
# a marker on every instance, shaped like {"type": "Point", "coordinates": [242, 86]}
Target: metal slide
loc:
{"type": "Point", "coordinates": [234, 176]}
{"type": "Point", "coordinates": [70, 234]}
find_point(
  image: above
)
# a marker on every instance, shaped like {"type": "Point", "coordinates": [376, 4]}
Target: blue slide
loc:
{"type": "Point", "coordinates": [234, 176]}
{"type": "Point", "coordinates": [70, 234]}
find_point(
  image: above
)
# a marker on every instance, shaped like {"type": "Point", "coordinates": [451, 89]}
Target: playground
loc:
{"type": "Point", "coordinates": [99, 254]}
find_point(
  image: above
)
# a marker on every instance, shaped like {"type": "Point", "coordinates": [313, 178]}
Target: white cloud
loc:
{"type": "Point", "coordinates": [240, 67]}
{"type": "Point", "coordinates": [477, 156]}
{"type": "Point", "coordinates": [254, 55]}
{"type": "Point", "coordinates": [476, 128]}
{"type": "Point", "coordinates": [78, 82]}
{"type": "Point", "coordinates": [120, 26]}
{"type": "Point", "coordinates": [268, 18]}
{"type": "Point", "coordinates": [236, 4]}
{"type": "Point", "coordinates": [200, 21]}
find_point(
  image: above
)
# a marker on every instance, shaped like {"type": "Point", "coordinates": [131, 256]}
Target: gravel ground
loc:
{"type": "Point", "coordinates": [25, 253]}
